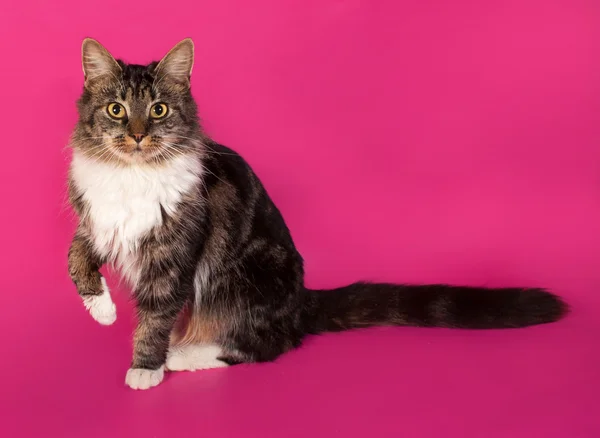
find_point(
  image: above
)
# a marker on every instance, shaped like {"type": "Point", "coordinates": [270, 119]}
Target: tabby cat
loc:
{"type": "Point", "coordinates": [215, 274]}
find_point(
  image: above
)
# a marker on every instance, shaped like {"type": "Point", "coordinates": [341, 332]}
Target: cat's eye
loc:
{"type": "Point", "coordinates": [116, 110]}
{"type": "Point", "coordinates": [158, 110]}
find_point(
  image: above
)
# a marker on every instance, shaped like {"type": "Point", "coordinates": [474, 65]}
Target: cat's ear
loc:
{"type": "Point", "coordinates": [97, 62]}
{"type": "Point", "coordinates": [177, 64]}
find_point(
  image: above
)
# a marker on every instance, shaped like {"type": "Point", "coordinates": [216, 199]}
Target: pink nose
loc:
{"type": "Point", "coordinates": [138, 137]}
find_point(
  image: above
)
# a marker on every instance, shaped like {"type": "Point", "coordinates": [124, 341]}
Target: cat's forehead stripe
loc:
{"type": "Point", "coordinates": [133, 91]}
{"type": "Point", "coordinates": [138, 83]}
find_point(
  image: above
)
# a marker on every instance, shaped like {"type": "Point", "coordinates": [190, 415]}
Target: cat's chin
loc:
{"type": "Point", "coordinates": [137, 158]}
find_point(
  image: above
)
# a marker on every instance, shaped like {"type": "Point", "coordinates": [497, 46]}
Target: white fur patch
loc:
{"type": "Point", "coordinates": [101, 307]}
{"type": "Point", "coordinates": [194, 357]}
{"type": "Point", "coordinates": [125, 202]}
{"type": "Point", "coordinates": [201, 281]}
{"type": "Point", "coordinates": [139, 378]}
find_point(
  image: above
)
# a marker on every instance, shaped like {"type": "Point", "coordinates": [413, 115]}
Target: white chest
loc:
{"type": "Point", "coordinates": [125, 203]}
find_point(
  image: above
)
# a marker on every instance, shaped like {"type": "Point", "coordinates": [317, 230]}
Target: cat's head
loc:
{"type": "Point", "coordinates": [134, 114]}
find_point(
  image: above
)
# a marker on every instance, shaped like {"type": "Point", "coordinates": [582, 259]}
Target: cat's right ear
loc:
{"type": "Point", "coordinates": [97, 62]}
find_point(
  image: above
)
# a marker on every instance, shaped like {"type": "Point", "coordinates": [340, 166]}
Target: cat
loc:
{"type": "Point", "coordinates": [215, 274]}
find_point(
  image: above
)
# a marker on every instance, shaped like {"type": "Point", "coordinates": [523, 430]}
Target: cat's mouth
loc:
{"type": "Point", "coordinates": [143, 152]}
{"type": "Point", "coordinates": [137, 154]}
{"type": "Point", "coordinates": [132, 148]}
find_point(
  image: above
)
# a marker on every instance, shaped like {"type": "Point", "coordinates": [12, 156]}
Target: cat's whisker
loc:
{"type": "Point", "coordinates": [213, 174]}
{"type": "Point", "coordinates": [102, 151]}
{"type": "Point", "coordinates": [166, 148]}
{"type": "Point", "coordinates": [206, 150]}
{"type": "Point", "coordinates": [104, 154]}
{"type": "Point", "coordinates": [168, 154]}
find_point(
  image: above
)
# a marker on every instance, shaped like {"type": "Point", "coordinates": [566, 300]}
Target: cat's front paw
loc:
{"type": "Point", "coordinates": [140, 378]}
{"type": "Point", "coordinates": [101, 307]}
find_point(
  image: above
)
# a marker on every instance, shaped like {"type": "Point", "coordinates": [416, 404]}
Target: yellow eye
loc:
{"type": "Point", "coordinates": [158, 110]}
{"type": "Point", "coordinates": [116, 110]}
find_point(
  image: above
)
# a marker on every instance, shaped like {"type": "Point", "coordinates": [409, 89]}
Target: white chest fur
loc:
{"type": "Point", "coordinates": [125, 203]}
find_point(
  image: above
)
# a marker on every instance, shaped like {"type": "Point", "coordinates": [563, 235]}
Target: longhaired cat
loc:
{"type": "Point", "coordinates": [215, 274]}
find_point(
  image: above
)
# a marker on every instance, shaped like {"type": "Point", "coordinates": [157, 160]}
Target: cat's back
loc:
{"type": "Point", "coordinates": [240, 203]}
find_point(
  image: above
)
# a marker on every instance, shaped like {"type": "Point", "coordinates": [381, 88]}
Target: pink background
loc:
{"type": "Point", "coordinates": [404, 140]}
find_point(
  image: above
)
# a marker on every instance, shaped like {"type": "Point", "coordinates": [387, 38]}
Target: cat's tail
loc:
{"type": "Point", "coordinates": [367, 304]}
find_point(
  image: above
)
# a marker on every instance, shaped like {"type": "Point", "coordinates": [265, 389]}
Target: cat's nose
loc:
{"type": "Point", "coordinates": [138, 137]}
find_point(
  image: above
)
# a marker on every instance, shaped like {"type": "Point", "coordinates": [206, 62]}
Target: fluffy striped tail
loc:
{"type": "Point", "coordinates": [367, 304]}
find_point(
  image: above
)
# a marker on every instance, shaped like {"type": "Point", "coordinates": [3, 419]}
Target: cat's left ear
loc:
{"type": "Point", "coordinates": [178, 63]}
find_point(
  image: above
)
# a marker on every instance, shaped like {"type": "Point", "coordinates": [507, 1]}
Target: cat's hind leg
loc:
{"type": "Point", "coordinates": [194, 357]}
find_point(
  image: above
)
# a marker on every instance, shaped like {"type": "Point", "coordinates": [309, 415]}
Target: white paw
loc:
{"type": "Point", "coordinates": [101, 307]}
{"type": "Point", "coordinates": [140, 378]}
{"type": "Point", "coordinates": [194, 357]}
{"type": "Point", "coordinates": [178, 361]}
